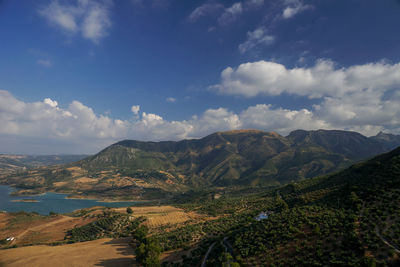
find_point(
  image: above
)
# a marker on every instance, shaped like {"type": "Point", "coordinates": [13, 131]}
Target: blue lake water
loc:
{"type": "Point", "coordinates": [50, 202]}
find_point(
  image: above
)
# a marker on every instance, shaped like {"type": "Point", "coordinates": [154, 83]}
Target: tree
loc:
{"type": "Point", "coordinates": [140, 233]}
{"type": "Point", "coordinates": [153, 251]}
{"type": "Point", "coordinates": [148, 253]}
{"type": "Point", "coordinates": [129, 210]}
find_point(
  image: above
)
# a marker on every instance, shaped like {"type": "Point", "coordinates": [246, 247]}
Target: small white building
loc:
{"type": "Point", "coordinates": [10, 238]}
{"type": "Point", "coordinates": [261, 216]}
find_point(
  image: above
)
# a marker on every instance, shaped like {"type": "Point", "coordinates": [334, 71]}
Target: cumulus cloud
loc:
{"type": "Point", "coordinates": [363, 98]}
{"type": "Point", "coordinates": [135, 109]}
{"type": "Point", "coordinates": [323, 79]}
{"type": "Point", "coordinates": [213, 120]}
{"type": "Point", "coordinates": [294, 7]}
{"type": "Point", "coordinates": [204, 10]}
{"type": "Point", "coordinates": [255, 38]}
{"type": "Point", "coordinates": [89, 18]}
{"type": "Point", "coordinates": [50, 102]}
{"type": "Point", "coordinates": [78, 129]}
{"type": "Point", "coordinates": [281, 120]}
{"type": "Point", "coordinates": [230, 14]}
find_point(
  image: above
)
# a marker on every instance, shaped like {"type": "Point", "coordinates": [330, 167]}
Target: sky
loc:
{"type": "Point", "coordinates": [79, 75]}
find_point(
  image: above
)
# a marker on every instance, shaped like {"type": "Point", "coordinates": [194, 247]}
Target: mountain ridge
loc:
{"type": "Point", "coordinates": [234, 158]}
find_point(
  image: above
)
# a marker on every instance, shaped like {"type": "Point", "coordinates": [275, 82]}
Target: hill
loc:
{"type": "Point", "coordinates": [134, 169]}
{"type": "Point", "coordinates": [350, 218]}
{"type": "Point", "coordinates": [10, 163]}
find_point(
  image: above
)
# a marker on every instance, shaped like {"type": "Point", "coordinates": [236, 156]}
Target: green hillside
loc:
{"type": "Point", "coordinates": [351, 218]}
{"type": "Point", "coordinates": [243, 158]}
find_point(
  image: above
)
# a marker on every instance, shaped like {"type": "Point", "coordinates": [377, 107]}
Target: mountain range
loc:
{"type": "Point", "coordinates": [241, 158]}
{"type": "Point", "coordinates": [10, 163]}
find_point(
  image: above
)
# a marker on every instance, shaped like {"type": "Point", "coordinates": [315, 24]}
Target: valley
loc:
{"type": "Point", "coordinates": [348, 214]}
{"type": "Point", "coordinates": [210, 133]}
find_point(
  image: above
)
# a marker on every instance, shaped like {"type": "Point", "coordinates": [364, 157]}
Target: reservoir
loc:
{"type": "Point", "coordinates": [47, 202]}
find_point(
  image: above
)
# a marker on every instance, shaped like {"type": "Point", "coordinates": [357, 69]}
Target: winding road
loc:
{"type": "Point", "coordinates": [203, 264]}
{"type": "Point", "coordinates": [386, 242]}
{"type": "Point", "coordinates": [228, 248]}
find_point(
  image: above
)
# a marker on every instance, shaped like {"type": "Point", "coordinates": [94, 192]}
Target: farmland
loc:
{"type": "Point", "coordinates": [103, 252]}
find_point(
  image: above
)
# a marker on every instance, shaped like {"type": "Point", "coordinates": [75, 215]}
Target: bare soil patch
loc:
{"type": "Point", "coordinates": [86, 180]}
{"type": "Point", "coordinates": [59, 184]}
{"type": "Point", "coordinates": [46, 230]}
{"type": "Point", "coordinates": [101, 252]}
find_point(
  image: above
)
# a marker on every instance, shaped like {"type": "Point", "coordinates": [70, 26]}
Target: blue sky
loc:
{"type": "Point", "coordinates": [78, 75]}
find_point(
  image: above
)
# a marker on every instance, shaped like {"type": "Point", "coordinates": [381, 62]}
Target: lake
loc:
{"type": "Point", "coordinates": [45, 203]}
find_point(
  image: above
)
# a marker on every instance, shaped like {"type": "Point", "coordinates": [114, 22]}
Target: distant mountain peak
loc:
{"type": "Point", "coordinates": [249, 132]}
{"type": "Point", "coordinates": [241, 131]}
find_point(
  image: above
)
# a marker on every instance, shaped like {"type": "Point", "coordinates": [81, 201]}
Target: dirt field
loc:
{"type": "Point", "coordinates": [45, 230]}
{"type": "Point", "coordinates": [102, 252]}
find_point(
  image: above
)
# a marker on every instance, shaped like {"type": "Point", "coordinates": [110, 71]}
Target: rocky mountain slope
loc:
{"type": "Point", "coordinates": [236, 158]}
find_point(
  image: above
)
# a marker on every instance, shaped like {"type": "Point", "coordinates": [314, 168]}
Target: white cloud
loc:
{"type": "Point", "coordinates": [50, 102]}
{"type": "Point", "coordinates": [77, 128]}
{"type": "Point", "coordinates": [293, 8]}
{"type": "Point", "coordinates": [45, 63]}
{"type": "Point", "coordinates": [135, 109]}
{"type": "Point", "coordinates": [151, 119]}
{"type": "Point", "coordinates": [78, 123]}
{"type": "Point", "coordinates": [364, 98]}
{"type": "Point", "coordinates": [96, 23]}
{"type": "Point", "coordinates": [255, 38]}
{"type": "Point", "coordinates": [213, 120]}
{"type": "Point", "coordinates": [323, 79]}
{"type": "Point", "coordinates": [90, 18]}
{"type": "Point", "coordinates": [230, 14]}
{"type": "Point", "coordinates": [170, 99]}
{"type": "Point", "coordinates": [204, 10]}
{"type": "Point", "coordinates": [64, 17]}
{"type": "Point", "coordinates": [281, 120]}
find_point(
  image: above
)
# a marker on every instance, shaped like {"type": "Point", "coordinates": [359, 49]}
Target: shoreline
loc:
{"type": "Point", "coordinates": [105, 200]}
{"type": "Point", "coordinates": [71, 196]}
{"type": "Point", "coordinates": [25, 200]}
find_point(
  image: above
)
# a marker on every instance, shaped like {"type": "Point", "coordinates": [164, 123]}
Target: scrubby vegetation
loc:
{"type": "Point", "coordinates": [350, 218]}
{"type": "Point", "coordinates": [108, 224]}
